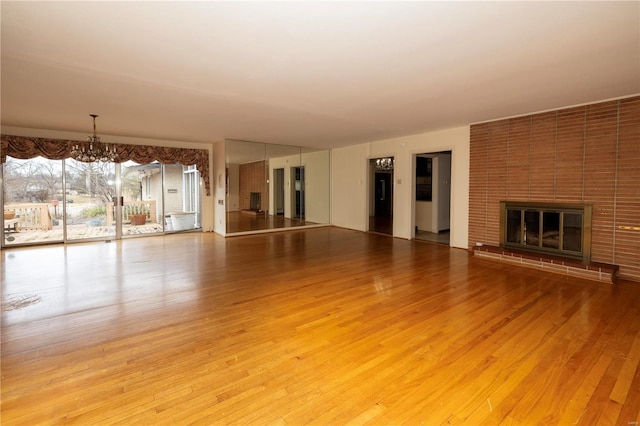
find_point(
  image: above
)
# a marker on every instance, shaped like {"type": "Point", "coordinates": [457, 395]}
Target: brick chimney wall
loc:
{"type": "Point", "coordinates": [588, 154]}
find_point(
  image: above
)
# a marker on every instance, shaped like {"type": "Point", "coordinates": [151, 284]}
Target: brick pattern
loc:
{"type": "Point", "coordinates": [478, 183]}
{"type": "Point", "coordinates": [542, 156]}
{"type": "Point", "coordinates": [589, 270]}
{"type": "Point", "coordinates": [600, 181]}
{"type": "Point", "coordinates": [627, 205]}
{"type": "Point", "coordinates": [253, 178]}
{"type": "Point", "coordinates": [497, 167]}
{"type": "Point", "coordinates": [587, 154]}
{"type": "Point", "coordinates": [518, 153]}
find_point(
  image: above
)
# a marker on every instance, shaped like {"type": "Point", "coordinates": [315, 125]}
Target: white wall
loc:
{"type": "Point", "coordinates": [349, 166]}
{"type": "Point", "coordinates": [218, 188]}
{"type": "Point", "coordinates": [317, 189]}
{"type": "Point", "coordinates": [349, 186]}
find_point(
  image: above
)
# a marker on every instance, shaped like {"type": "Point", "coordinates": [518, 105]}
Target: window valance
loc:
{"type": "Point", "coordinates": [57, 149]}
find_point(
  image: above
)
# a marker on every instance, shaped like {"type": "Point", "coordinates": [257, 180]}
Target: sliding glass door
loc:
{"type": "Point", "coordinates": [181, 203]}
{"type": "Point", "coordinates": [88, 200]}
{"type": "Point", "coordinates": [33, 201]}
{"type": "Point", "coordinates": [141, 186]}
{"type": "Point", "coordinates": [67, 200]}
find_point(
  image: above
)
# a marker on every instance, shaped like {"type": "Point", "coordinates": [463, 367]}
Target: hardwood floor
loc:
{"type": "Point", "coordinates": [323, 326]}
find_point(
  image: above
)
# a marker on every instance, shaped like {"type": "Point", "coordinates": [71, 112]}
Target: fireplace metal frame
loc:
{"type": "Point", "coordinates": [584, 209]}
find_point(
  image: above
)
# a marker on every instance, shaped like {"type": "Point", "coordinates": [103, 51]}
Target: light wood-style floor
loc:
{"type": "Point", "coordinates": [324, 326]}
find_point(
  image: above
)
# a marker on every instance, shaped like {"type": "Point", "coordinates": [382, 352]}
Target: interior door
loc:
{"type": "Point", "coordinates": [383, 194]}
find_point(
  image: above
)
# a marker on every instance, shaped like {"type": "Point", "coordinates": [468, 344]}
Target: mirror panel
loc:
{"type": "Point", "coordinates": [275, 186]}
{"type": "Point", "coordinates": [281, 162]}
{"type": "Point", "coordinates": [317, 179]}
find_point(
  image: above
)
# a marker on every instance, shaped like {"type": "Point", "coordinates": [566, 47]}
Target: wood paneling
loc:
{"type": "Point", "coordinates": [600, 177]}
{"type": "Point", "coordinates": [518, 146]}
{"type": "Point", "coordinates": [478, 183]}
{"type": "Point", "coordinates": [587, 154]}
{"type": "Point", "coordinates": [570, 155]}
{"type": "Point", "coordinates": [497, 167]}
{"type": "Point", "coordinates": [627, 207]}
{"type": "Point", "coordinates": [326, 326]}
{"type": "Point", "coordinates": [542, 157]}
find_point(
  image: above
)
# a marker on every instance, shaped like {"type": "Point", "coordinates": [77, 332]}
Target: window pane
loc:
{"type": "Point", "coordinates": [89, 207]}
{"type": "Point", "coordinates": [182, 203]}
{"type": "Point", "coordinates": [32, 201]}
{"type": "Point", "coordinates": [142, 196]}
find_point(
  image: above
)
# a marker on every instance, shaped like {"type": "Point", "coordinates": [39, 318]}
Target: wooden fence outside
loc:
{"type": "Point", "coordinates": [147, 208]}
{"type": "Point", "coordinates": [33, 216]}
{"type": "Point", "coordinates": [36, 216]}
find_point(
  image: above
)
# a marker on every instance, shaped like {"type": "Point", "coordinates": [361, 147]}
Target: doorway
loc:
{"type": "Point", "coordinates": [278, 191]}
{"type": "Point", "coordinates": [381, 195]}
{"type": "Point", "coordinates": [297, 193]}
{"type": "Point", "coordinates": [432, 201]}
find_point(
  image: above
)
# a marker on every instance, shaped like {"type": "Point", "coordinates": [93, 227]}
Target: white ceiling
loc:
{"type": "Point", "coordinates": [320, 74]}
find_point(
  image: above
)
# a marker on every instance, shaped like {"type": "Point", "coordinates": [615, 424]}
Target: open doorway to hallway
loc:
{"type": "Point", "coordinates": [381, 195]}
{"type": "Point", "coordinates": [432, 197]}
{"type": "Point", "coordinates": [297, 193]}
{"type": "Point", "coordinates": [278, 191]}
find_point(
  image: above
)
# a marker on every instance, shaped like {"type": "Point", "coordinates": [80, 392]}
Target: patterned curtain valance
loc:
{"type": "Point", "coordinates": [58, 149]}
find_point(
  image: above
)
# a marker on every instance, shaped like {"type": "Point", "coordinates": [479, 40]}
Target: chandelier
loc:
{"type": "Point", "coordinates": [93, 149]}
{"type": "Point", "coordinates": [384, 164]}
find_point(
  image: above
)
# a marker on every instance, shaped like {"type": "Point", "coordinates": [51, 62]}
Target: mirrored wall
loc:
{"type": "Point", "coordinates": [275, 186]}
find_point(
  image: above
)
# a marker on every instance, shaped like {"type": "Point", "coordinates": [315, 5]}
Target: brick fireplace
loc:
{"type": "Point", "coordinates": [253, 186]}
{"type": "Point", "coordinates": [586, 155]}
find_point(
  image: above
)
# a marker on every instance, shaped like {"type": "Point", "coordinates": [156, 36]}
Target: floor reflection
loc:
{"type": "Point", "coordinates": [381, 224]}
{"type": "Point", "coordinates": [440, 237]}
{"type": "Point", "coordinates": [250, 221]}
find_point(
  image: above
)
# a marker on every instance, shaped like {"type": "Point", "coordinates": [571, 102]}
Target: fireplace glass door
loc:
{"type": "Point", "coordinates": [532, 228]}
{"type": "Point", "coordinates": [549, 229]}
{"type": "Point", "coordinates": [572, 232]}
